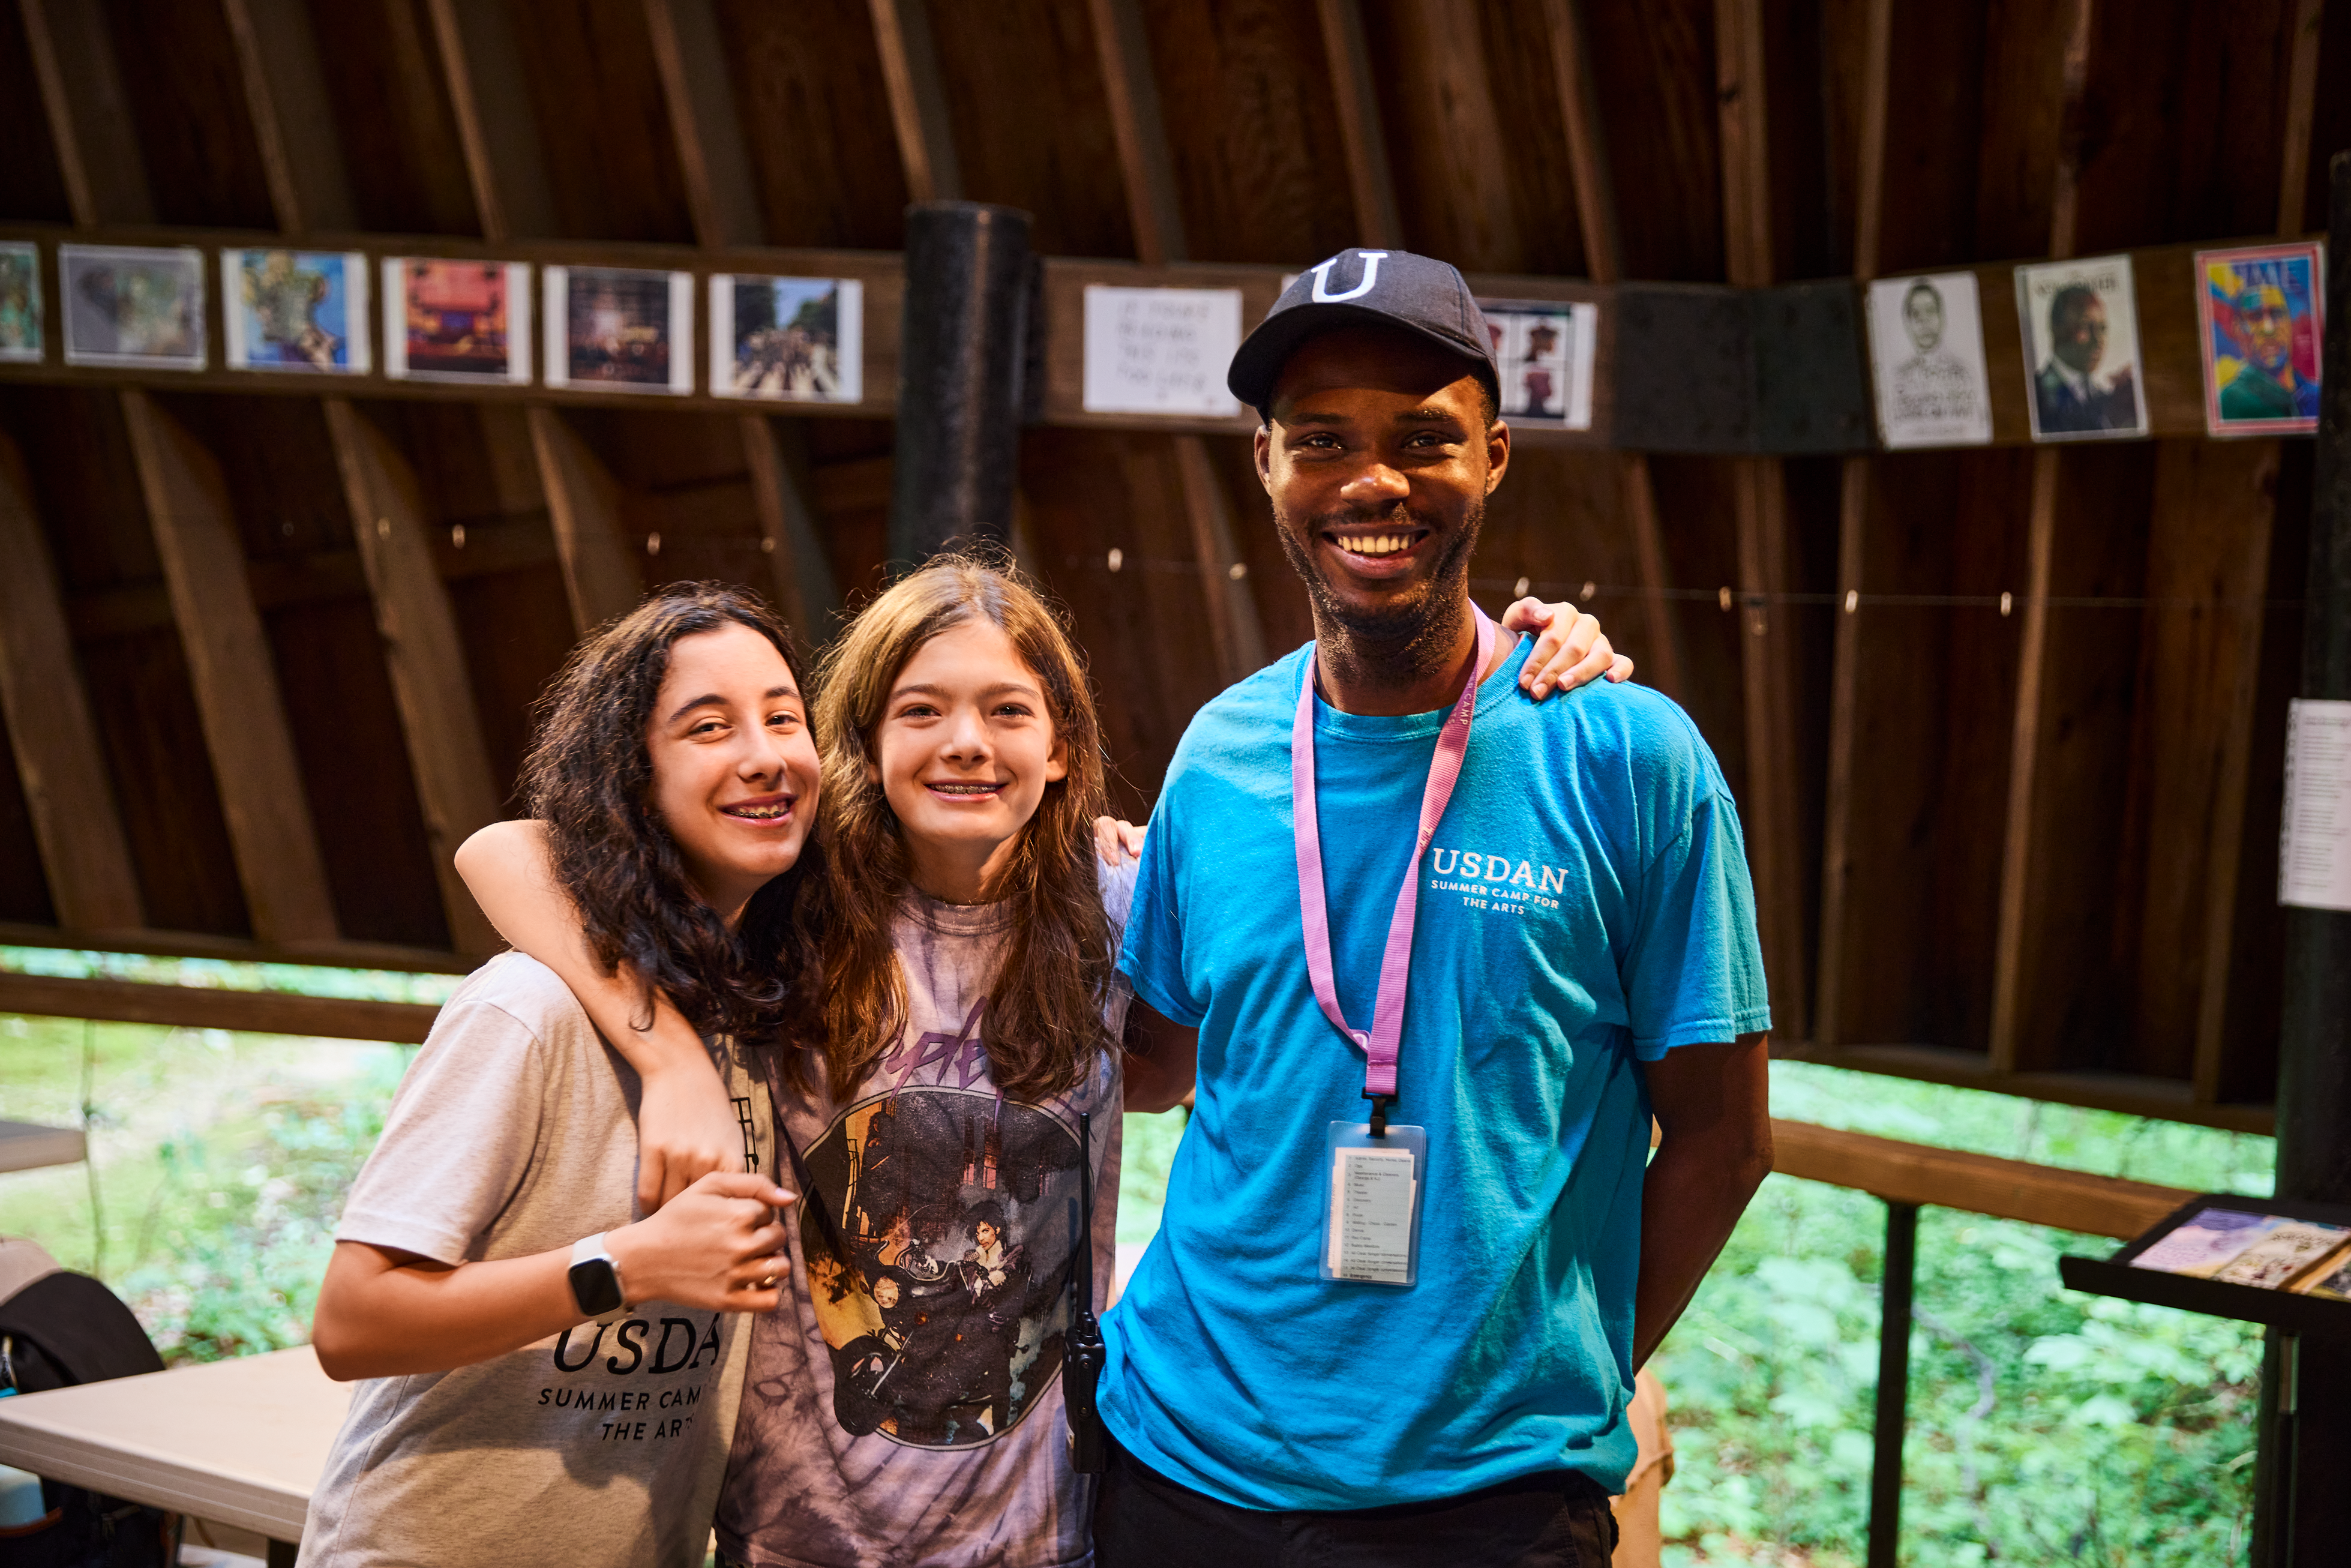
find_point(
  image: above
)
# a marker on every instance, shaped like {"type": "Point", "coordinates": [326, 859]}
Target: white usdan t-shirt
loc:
{"type": "Point", "coordinates": [514, 1132]}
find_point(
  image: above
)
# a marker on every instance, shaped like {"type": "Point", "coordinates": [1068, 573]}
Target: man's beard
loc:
{"type": "Point", "coordinates": [1413, 634]}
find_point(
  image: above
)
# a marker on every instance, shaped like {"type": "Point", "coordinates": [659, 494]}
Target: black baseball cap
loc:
{"type": "Point", "coordinates": [1416, 294]}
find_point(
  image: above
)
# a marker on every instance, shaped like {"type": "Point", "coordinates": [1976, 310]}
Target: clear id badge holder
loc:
{"type": "Point", "coordinates": [1371, 1202]}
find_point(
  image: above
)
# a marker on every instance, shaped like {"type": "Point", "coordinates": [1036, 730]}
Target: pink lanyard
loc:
{"type": "Point", "coordinates": [1380, 1045]}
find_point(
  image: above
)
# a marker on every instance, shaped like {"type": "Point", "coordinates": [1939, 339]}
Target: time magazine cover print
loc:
{"type": "Point", "coordinates": [620, 329]}
{"type": "Point", "coordinates": [2262, 317]}
{"type": "Point", "coordinates": [448, 321]}
{"type": "Point", "coordinates": [1927, 358]}
{"type": "Point", "coordinates": [20, 304]}
{"type": "Point", "coordinates": [301, 310]}
{"type": "Point", "coordinates": [2080, 320]}
{"type": "Point", "coordinates": [128, 305]}
{"type": "Point", "coordinates": [795, 337]}
{"type": "Point", "coordinates": [1544, 353]}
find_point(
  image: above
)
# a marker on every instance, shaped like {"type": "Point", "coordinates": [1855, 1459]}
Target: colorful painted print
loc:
{"type": "Point", "coordinates": [20, 303]}
{"type": "Point", "coordinates": [456, 321]}
{"type": "Point", "coordinates": [2263, 312]}
{"type": "Point", "coordinates": [1544, 354]}
{"type": "Point", "coordinates": [796, 338]}
{"type": "Point", "coordinates": [620, 329]}
{"type": "Point", "coordinates": [129, 304]}
{"type": "Point", "coordinates": [2081, 349]}
{"type": "Point", "coordinates": [302, 310]}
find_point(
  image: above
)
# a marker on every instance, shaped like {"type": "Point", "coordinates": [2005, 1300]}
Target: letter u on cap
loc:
{"type": "Point", "coordinates": [1322, 271]}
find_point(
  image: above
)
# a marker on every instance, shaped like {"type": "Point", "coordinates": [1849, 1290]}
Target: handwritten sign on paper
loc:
{"type": "Point", "coordinates": [1161, 351]}
{"type": "Point", "coordinates": [2314, 856]}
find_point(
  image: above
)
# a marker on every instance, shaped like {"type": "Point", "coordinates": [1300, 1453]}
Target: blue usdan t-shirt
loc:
{"type": "Point", "coordinates": [1584, 906]}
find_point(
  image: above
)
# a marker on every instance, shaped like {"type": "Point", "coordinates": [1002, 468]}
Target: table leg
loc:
{"type": "Point", "coordinates": [283, 1553]}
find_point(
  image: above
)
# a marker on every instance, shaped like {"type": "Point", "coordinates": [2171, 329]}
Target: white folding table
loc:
{"type": "Point", "coordinates": [241, 1442]}
{"type": "Point", "coordinates": [24, 1146]}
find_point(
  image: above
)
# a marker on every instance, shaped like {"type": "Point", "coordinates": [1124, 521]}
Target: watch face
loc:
{"type": "Point", "coordinates": [595, 1286]}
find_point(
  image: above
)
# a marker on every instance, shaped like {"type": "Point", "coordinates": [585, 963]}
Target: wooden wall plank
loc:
{"type": "Point", "coordinates": [293, 123]}
{"type": "Point", "coordinates": [792, 534]}
{"type": "Point", "coordinates": [204, 1007]}
{"type": "Point", "coordinates": [398, 131]}
{"type": "Point", "coordinates": [592, 84]}
{"type": "Point", "coordinates": [1451, 162]}
{"type": "Point", "coordinates": [1587, 145]}
{"type": "Point", "coordinates": [809, 75]}
{"type": "Point", "coordinates": [68, 790]}
{"type": "Point", "coordinates": [252, 750]}
{"type": "Point", "coordinates": [2306, 36]}
{"type": "Point", "coordinates": [690, 53]}
{"type": "Point", "coordinates": [918, 103]}
{"type": "Point", "coordinates": [425, 657]}
{"type": "Point", "coordinates": [89, 115]}
{"type": "Point", "coordinates": [182, 84]}
{"type": "Point", "coordinates": [32, 182]}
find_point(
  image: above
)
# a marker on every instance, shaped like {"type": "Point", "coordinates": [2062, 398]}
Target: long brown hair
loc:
{"type": "Point", "coordinates": [1043, 1022]}
{"type": "Point", "coordinates": [590, 778]}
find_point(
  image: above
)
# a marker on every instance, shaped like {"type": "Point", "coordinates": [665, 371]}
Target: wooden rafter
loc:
{"type": "Point", "coordinates": [808, 594]}
{"type": "Point", "coordinates": [719, 191]}
{"type": "Point", "coordinates": [68, 786]}
{"type": "Point", "coordinates": [584, 501]}
{"type": "Point", "coordinates": [89, 114]}
{"type": "Point", "coordinates": [236, 682]}
{"type": "Point", "coordinates": [481, 58]}
{"type": "Point", "coordinates": [918, 102]}
{"type": "Point", "coordinates": [1377, 219]}
{"type": "Point", "coordinates": [293, 121]}
{"type": "Point", "coordinates": [426, 657]}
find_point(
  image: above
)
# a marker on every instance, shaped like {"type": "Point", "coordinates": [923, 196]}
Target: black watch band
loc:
{"type": "Point", "coordinates": [595, 1278]}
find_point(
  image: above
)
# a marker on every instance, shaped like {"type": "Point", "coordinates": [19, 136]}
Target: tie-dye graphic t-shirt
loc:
{"type": "Point", "coordinates": [906, 1409]}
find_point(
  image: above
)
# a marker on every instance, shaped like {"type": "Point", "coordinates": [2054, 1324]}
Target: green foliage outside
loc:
{"type": "Point", "coordinates": [2045, 1427]}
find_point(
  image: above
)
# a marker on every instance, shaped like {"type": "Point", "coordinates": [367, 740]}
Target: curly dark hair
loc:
{"type": "Point", "coordinates": [589, 777]}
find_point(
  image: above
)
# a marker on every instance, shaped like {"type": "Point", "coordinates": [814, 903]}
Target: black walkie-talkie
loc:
{"type": "Point", "coordinates": [1082, 1363]}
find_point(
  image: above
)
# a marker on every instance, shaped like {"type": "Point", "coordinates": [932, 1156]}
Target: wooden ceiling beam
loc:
{"type": "Point", "coordinates": [1152, 210]}
{"type": "Point", "coordinates": [919, 100]}
{"type": "Point", "coordinates": [293, 119]}
{"type": "Point", "coordinates": [2301, 111]}
{"type": "Point", "coordinates": [792, 531]}
{"type": "Point", "coordinates": [68, 787]}
{"type": "Point", "coordinates": [583, 500]}
{"type": "Point", "coordinates": [720, 192]}
{"type": "Point", "coordinates": [238, 702]}
{"type": "Point", "coordinates": [1157, 219]}
{"type": "Point", "coordinates": [482, 59]}
{"type": "Point", "coordinates": [1378, 220]}
{"type": "Point", "coordinates": [1587, 145]}
{"type": "Point", "coordinates": [88, 114]}
{"type": "Point", "coordinates": [425, 655]}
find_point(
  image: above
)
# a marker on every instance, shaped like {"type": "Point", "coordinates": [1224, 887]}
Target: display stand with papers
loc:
{"type": "Point", "coordinates": [2256, 1260]}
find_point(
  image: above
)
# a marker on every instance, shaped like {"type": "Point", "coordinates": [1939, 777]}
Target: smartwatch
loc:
{"type": "Point", "coordinates": [595, 1278]}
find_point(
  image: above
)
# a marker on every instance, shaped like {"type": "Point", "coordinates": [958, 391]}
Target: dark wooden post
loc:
{"type": "Point", "coordinates": [2306, 1405]}
{"type": "Point", "coordinates": [962, 361]}
{"type": "Point", "coordinates": [1893, 1421]}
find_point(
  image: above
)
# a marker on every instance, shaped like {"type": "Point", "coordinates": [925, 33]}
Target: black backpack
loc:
{"type": "Point", "coordinates": [61, 1330]}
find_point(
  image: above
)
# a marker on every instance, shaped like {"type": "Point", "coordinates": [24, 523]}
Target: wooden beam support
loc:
{"type": "Point", "coordinates": [918, 103]}
{"type": "Point", "coordinates": [1378, 220]}
{"type": "Point", "coordinates": [425, 656]}
{"type": "Point", "coordinates": [2016, 849]}
{"type": "Point", "coordinates": [1232, 608]}
{"type": "Point", "coordinates": [1124, 49]}
{"type": "Point", "coordinates": [68, 787]}
{"type": "Point", "coordinates": [1587, 145]}
{"type": "Point", "coordinates": [719, 189]}
{"type": "Point", "coordinates": [1976, 1183]}
{"type": "Point", "coordinates": [583, 499]}
{"type": "Point", "coordinates": [88, 114]}
{"type": "Point", "coordinates": [2301, 109]}
{"type": "Point", "coordinates": [293, 121]}
{"type": "Point", "coordinates": [204, 1007]}
{"type": "Point", "coordinates": [482, 59]}
{"type": "Point", "coordinates": [808, 594]}
{"type": "Point", "coordinates": [236, 682]}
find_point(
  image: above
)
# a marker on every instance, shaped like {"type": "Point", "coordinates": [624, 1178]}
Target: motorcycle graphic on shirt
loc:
{"type": "Point", "coordinates": [957, 1211]}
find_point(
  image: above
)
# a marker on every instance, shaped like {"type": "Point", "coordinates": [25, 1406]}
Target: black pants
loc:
{"type": "Point", "coordinates": [1558, 1520]}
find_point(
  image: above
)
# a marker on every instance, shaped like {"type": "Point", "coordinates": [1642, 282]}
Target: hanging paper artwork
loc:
{"type": "Point", "coordinates": [1927, 357]}
{"type": "Point", "coordinates": [133, 306]}
{"type": "Point", "coordinates": [800, 339]}
{"type": "Point", "coordinates": [302, 310]}
{"type": "Point", "coordinates": [20, 304]}
{"type": "Point", "coordinates": [1544, 354]}
{"type": "Point", "coordinates": [449, 320]}
{"type": "Point", "coordinates": [620, 329]}
{"type": "Point", "coordinates": [2261, 311]}
{"type": "Point", "coordinates": [2080, 320]}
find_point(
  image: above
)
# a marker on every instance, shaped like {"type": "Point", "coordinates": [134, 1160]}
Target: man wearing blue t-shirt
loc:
{"type": "Point", "coordinates": [1403, 1329]}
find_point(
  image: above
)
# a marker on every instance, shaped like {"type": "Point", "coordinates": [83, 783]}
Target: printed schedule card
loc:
{"type": "Point", "coordinates": [1372, 1193]}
